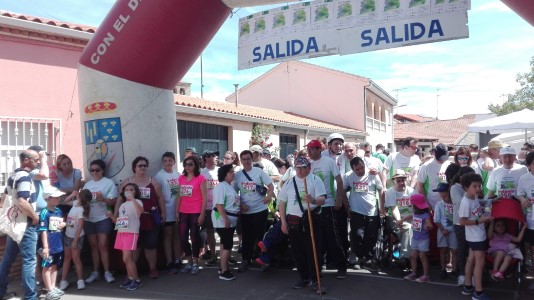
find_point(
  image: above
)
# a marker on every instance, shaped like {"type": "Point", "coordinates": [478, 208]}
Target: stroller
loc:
{"type": "Point", "coordinates": [512, 212]}
{"type": "Point", "coordinates": [387, 249]}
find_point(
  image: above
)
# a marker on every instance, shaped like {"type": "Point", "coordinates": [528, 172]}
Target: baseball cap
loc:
{"type": "Point", "coordinates": [192, 149]}
{"type": "Point", "coordinates": [399, 173]}
{"type": "Point", "coordinates": [314, 144]}
{"type": "Point", "coordinates": [442, 187]}
{"type": "Point", "coordinates": [441, 152]}
{"type": "Point", "coordinates": [334, 136]}
{"type": "Point", "coordinates": [507, 150]}
{"type": "Point", "coordinates": [493, 144]}
{"type": "Point", "coordinates": [302, 161]}
{"type": "Point", "coordinates": [52, 191]}
{"type": "Point", "coordinates": [256, 148]}
{"type": "Point", "coordinates": [419, 201]}
{"type": "Point", "coordinates": [266, 152]}
{"type": "Point", "coordinates": [208, 153]}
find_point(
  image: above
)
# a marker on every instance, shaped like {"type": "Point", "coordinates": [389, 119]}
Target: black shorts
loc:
{"type": "Point", "coordinates": [477, 246]}
{"type": "Point", "coordinates": [227, 237]}
{"type": "Point", "coordinates": [529, 237]}
{"type": "Point", "coordinates": [208, 223]}
{"type": "Point", "coordinates": [57, 259]}
{"type": "Point", "coordinates": [170, 223]}
{"type": "Point", "coordinates": [148, 239]}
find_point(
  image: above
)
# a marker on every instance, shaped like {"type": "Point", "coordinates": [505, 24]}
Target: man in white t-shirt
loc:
{"type": "Point", "coordinates": [374, 164]}
{"type": "Point", "coordinates": [335, 203]}
{"type": "Point", "coordinates": [335, 150]}
{"type": "Point", "coordinates": [405, 160]}
{"type": "Point", "coordinates": [349, 151]}
{"type": "Point", "coordinates": [431, 174]}
{"type": "Point", "coordinates": [503, 180]}
{"type": "Point", "coordinates": [210, 159]}
{"type": "Point", "coordinates": [268, 166]}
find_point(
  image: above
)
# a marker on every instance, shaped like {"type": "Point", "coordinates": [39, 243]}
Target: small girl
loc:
{"type": "Point", "coordinates": [74, 236]}
{"type": "Point", "coordinates": [502, 247]}
{"type": "Point", "coordinates": [127, 225]}
{"type": "Point", "coordinates": [421, 226]}
{"type": "Point", "coordinates": [443, 217]}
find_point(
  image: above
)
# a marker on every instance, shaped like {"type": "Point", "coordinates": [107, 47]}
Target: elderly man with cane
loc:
{"type": "Point", "coordinates": [300, 202]}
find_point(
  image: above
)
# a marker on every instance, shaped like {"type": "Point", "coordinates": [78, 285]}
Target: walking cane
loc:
{"type": "Point", "coordinates": [310, 221]}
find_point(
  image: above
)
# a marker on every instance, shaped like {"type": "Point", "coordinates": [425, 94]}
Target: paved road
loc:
{"type": "Point", "coordinates": [275, 284]}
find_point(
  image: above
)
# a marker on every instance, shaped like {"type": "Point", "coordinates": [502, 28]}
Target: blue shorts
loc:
{"type": "Point", "coordinates": [477, 246]}
{"type": "Point", "coordinates": [420, 245]}
{"type": "Point", "coordinates": [57, 259]}
{"type": "Point", "coordinates": [104, 226]}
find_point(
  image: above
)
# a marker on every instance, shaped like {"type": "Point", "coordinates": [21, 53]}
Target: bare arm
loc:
{"type": "Point", "coordinates": [161, 200]}
{"type": "Point", "coordinates": [43, 168]}
{"type": "Point", "coordinates": [27, 209]}
{"type": "Point", "coordinates": [340, 192]}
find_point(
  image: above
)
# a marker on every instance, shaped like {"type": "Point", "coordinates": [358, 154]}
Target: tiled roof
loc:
{"type": "Point", "coordinates": [51, 22]}
{"type": "Point", "coordinates": [413, 118]}
{"type": "Point", "coordinates": [260, 113]}
{"type": "Point", "coordinates": [445, 131]}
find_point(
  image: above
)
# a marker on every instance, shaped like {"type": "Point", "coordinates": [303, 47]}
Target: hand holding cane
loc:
{"type": "Point", "coordinates": [310, 221]}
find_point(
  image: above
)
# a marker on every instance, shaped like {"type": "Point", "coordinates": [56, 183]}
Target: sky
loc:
{"type": "Point", "coordinates": [447, 79]}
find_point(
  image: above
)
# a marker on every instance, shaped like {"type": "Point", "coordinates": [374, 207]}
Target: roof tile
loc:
{"type": "Point", "coordinates": [78, 27]}
{"type": "Point", "coordinates": [446, 131]}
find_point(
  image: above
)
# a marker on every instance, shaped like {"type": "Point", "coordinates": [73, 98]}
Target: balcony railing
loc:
{"type": "Point", "coordinates": [375, 125]}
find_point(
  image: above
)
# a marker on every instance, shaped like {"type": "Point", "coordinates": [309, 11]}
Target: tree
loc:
{"type": "Point", "coordinates": [522, 98]}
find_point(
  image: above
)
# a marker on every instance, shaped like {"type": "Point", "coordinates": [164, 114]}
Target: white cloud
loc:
{"type": "Point", "coordinates": [492, 6]}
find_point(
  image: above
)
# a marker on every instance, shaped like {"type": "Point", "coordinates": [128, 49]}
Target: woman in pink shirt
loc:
{"type": "Point", "coordinates": [190, 208]}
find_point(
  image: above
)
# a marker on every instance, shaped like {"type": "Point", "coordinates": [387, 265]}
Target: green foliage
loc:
{"type": "Point", "coordinates": [260, 135]}
{"type": "Point", "coordinates": [522, 98]}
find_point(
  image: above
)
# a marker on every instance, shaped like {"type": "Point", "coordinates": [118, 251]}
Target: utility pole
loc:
{"type": "Point", "coordinates": [397, 97]}
{"type": "Point", "coordinates": [437, 103]}
{"type": "Point", "coordinates": [201, 80]}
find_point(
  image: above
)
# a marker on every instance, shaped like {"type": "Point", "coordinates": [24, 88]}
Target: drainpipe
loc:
{"type": "Point", "coordinates": [236, 85]}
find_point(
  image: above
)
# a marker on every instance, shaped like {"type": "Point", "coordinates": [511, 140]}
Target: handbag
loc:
{"type": "Point", "coordinates": [156, 216]}
{"type": "Point", "coordinates": [13, 221]}
{"type": "Point", "coordinates": [260, 189]}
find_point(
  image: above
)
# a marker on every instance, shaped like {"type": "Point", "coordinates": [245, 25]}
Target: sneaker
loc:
{"type": "Point", "coordinates": [371, 265]}
{"type": "Point", "coordinates": [443, 274]}
{"type": "Point", "coordinates": [411, 276]}
{"type": "Point", "coordinates": [206, 255]}
{"type": "Point", "coordinates": [243, 267]}
{"type": "Point", "coordinates": [240, 248]}
{"type": "Point", "coordinates": [109, 277]}
{"type": "Point", "coordinates": [135, 285]}
{"type": "Point", "coordinates": [262, 246]}
{"type": "Point", "coordinates": [93, 277]}
{"type": "Point", "coordinates": [126, 284]}
{"type": "Point", "coordinates": [232, 261]}
{"type": "Point", "coordinates": [321, 291]}
{"type": "Point", "coordinates": [58, 291]}
{"type": "Point", "coordinates": [353, 260]}
{"type": "Point", "coordinates": [63, 285]}
{"type": "Point", "coordinates": [52, 295]}
{"type": "Point", "coordinates": [423, 279]}
{"type": "Point", "coordinates": [341, 274]}
{"type": "Point", "coordinates": [80, 284]}
{"type": "Point", "coordinates": [211, 262]}
{"type": "Point", "coordinates": [171, 269]}
{"type": "Point", "coordinates": [477, 296]}
{"type": "Point", "coordinates": [178, 264]}
{"type": "Point", "coordinates": [153, 274]}
{"type": "Point", "coordinates": [461, 280]}
{"type": "Point", "coordinates": [301, 284]}
{"type": "Point", "coordinates": [497, 276]}
{"type": "Point", "coordinates": [194, 269]}
{"type": "Point", "coordinates": [227, 275]}
{"type": "Point", "coordinates": [187, 268]}
{"type": "Point", "coordinates": [468, 291]}
{"type": "Point", "coordinates": [263, 265]}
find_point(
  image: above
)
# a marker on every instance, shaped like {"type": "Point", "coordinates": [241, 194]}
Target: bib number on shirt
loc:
{"type": "Point", "coordinates": [71, 221]}
{"type": "Point", "coordinates": [405, 201]}
{"type": "Point", "coordinates": [361, 187]}
{"type": "Point", "coordinates": [53, 223]}
{"type": "Point", "coordinates": [417, 224]}
{"type": "Point", "coordinates": [122, 223]}
{"type": "Point", "coordinates": [145, 192]}
{"type": "Point", "coordinates": [212, 183]}
{"type": "Point", "coordinates": [186, 190]}
{"type": "Point", "coordinates": [248, 186]}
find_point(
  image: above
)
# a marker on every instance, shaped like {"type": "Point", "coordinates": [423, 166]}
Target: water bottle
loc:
{"type": "Point", "coordinates": [48, 259]}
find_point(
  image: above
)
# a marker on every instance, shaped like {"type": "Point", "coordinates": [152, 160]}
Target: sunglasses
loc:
{"type": "Point", "coordinates": [95, 170]}
{"type": "Point", "coordinates": [142, 166]}
{"type": "Point", "coordinates": [189, 165]}
{"type": "Point", "coordinates": [463, 158]}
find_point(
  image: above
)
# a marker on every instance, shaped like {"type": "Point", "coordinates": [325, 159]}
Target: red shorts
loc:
{"type": "Point", "coordinates": [126, 241]}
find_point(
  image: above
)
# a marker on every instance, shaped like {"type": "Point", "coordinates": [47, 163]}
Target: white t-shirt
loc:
{"type": "Point", "coordinates": [73, 220]}
{"type": "Point", "coordinates": [472, 210]}
{"type": "Point", "coordinates": [399, 199]}
{"type": "Point", "coordinates": [170, 188]}
{"type": "Point", "coordinates": [325, 168]}
{"type": "Point", "coordinates": [224, 194]}
{"type": "Point", "coordinates": [269, 167]}
{"type": "Point", "coordinates": [457, 194]}
{"type": "Point", "coordinates": [410, 165]}
{"type": "Point", "coordinates": [373, 163]}
{"type": "Point", "coordinates": [288, 196]}
{"type": "Point", "coordinates": [504, 181]}
{"type": "Point", "coordinates": [363, 191]}
{"type": "Point", "coordinates": [211, 182]}
{"type": "Point", "coordinates": [525, 188]}
{"type": "Point", "coordinates": [109, 191]}
{"type": "Point", "coordinates": [247, 189]}
{"type": "Point", "coordinates": [128, 218]}
{"type": "Point", "coordinates": [430, 175]}
{"type": "Point", "coordinates": [443, 213]}
{"type": "Point", "coordinates": [339, 160]}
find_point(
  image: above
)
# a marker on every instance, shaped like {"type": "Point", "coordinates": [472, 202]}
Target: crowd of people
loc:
{"type": "Point", "coordinates": [327, 202]}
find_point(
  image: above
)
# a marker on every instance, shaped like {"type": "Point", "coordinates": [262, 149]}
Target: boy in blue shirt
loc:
{"type": "Point", "coordinates": [50, 226]}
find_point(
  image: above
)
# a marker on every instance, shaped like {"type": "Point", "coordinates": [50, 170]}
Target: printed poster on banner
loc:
{"type": "Point", "coordinates": [328, 27]}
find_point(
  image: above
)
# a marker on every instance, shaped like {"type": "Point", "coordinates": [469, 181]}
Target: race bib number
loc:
{"type": "Point", "coordinates": [404, 201]}
{"type": "Point", "coordinates": [477, 212]}
{"type": "Point", "coordinates": [448, 209]}
{"type": "Point", "coordinates": [248, 186]}
{"type": "Point", "coordinates": [442, 177]}
{"type": "Point", "coordinates": [93, 196]}
{"type": "Point", "coordinates": [361, 187]}
{"type": "Point", "coordinates": [237, 201]}
{"type": "Point", "coordinates": [186, 190]}
{"type": "Point", "coordinates": [417, 224]}
{"type": "Point", "coordinates": [53, 223]}
{"type": "Point", "coordinates": [71, 221]}
{"type": "Point", "coordinates": [122, 223]}
{"type": "Point", "coordinates": [145, 192]}
{"type": "Point", "coordinates": [212, 183]}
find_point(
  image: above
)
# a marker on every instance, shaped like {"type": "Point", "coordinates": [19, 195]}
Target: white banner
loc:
{"type": "Point", "coordinates": [328, 27]}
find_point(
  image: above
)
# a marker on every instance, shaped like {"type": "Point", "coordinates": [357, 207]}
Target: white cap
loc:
{"type": "Point", "coordinates": [507, 150]}
{"type": "Point", "coordinates": [52, 191]}
{"type": "Point", "coordinates": [256, 148]}
{"type": "Point", "coordinates": [334, 136]}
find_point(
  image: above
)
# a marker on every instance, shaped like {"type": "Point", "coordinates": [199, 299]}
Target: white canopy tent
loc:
{"type": "Point", "coordinates": [517, 121]}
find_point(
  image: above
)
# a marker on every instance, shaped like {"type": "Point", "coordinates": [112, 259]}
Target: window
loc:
{"type": "Point", "coordinates": [202, 136]}
{"type": "Point", "coordinates": [288, 144]}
